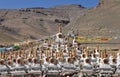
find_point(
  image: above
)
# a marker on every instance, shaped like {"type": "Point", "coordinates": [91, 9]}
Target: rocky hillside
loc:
{"type": "Point", "coordinates": [34, 23]}
{"type": "Point", "coordinates": [102, 20]}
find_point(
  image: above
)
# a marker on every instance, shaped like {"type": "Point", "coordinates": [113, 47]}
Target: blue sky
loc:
{"type": "Point", "coordinates": [13, 4]}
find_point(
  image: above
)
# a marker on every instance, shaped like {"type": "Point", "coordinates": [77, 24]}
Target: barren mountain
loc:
{"type": "Point", "coordinates": [102, 20]}
{"type": "Point", "coordinates": [34, 23]}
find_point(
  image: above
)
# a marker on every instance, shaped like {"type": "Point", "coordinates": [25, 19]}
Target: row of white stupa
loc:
{"type": "Point", "coordinates": [59, 57]}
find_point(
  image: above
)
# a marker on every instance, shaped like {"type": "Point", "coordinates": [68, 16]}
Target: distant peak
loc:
{"type": "Point", "coordinates": [69, 6]}
{"type": "Point", "coordinates": [35, 8]}
{"type": "Point", "coordinates": [107, 2]}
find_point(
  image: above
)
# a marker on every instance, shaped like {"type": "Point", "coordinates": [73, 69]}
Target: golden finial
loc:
{"type": "Point", "coordinates": [74, 52]}
{"type": "Point", "coordinates": [102, 55]}
{"type": "Point", "coordinates": [105, 54]}
{"type": "Point", "coordinates": [60, 28]}
{"type": "Point", "coordinates": [119, 50]}
{"type": "Point", "coordinates": [47, 54]}
{"type": "Point", "coordinates": [98, 48]}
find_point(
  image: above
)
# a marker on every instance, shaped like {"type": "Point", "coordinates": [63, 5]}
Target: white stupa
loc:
{"type": "Point", "coordinates": [59, 36]}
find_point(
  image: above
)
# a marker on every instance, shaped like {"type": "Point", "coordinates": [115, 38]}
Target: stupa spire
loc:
{"type": "Point", "coordinates": [60, 28]}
